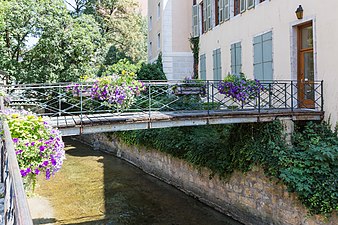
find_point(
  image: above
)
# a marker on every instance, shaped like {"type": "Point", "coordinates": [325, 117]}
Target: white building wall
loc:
{"type": "Point", "coordinates": [279, 17]}
{"type": "Point", "coordinates": [177, 61]}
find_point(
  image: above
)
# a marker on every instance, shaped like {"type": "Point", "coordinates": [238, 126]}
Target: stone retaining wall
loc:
{"type": "Point", "coordinates": [250, 198]}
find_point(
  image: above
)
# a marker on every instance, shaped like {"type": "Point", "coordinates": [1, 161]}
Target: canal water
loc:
{"type": "Point", "coordinates": [97, 188]}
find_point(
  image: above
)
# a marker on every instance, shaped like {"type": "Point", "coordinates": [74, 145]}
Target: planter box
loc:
{"type": "Point", "coordinates": [189, 90]}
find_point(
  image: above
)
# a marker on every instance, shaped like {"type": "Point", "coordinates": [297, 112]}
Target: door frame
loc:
{"type": "Point", "coordinates": [301, 82]}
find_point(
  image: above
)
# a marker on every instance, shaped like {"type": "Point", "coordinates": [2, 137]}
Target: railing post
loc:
{"type": "Point", "coordinates": [322, 95]}
{"type": "Point", "coordinates": [208, 96]}
{"type": "Point", "coordinates": [270, 97]}
{"type": "Point", "coordinates": [149, 100]}
{"type": "Point", "coordinates": [81, 108]}
{"type": "Point", "coordinates": [59, 94]}
{"type": "Point", "coordinates": [259, 100]}
{"type": "Point", "coordinates": [292, 95]}
{"type": "Point", "coordinates": [285, 93]}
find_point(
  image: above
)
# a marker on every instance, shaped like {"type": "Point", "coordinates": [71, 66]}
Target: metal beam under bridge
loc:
{"type": "Point", "coordinates": [99, 123]}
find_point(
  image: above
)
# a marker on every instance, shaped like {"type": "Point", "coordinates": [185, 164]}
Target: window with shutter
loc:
{"type": "Point", "coordinates": [204, 16]}
{"type": "Point", "coordinates": [217, 67]}
{"type": "Point", "coordinates": [263, 60]}
{"type": "Point", "coordinates": [226, 9]}
{"type": "Point", "coordinates": [216, 17]}
{"type": "Point", "coordinates": [203, 67]}
{"type": "Point", "coordinates": [250, 3]}
{"type": "Point", "coordinates": [221, 11]}
{"type": "Point", "coordinates": [195, 27]}
{"type": "Point", "coordinates": [209, 20]}
{"type": "Point", "coordinates": [236, 7]}
{"type": "Point", "coordinates": [243, 5]}
{"type": "Point", "coordinates": [236, 58]}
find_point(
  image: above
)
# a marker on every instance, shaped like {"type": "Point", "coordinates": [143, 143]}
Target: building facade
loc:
{"type": "Point", "coordinates": [265, 40]}
{"type": "Point", "coordinates": [169, 30]}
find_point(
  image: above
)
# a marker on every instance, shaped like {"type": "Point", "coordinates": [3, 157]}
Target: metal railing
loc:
{"type": "Point", "coordinates": [16, 210]}
{"type": "Point", "coordinates": [57, 100]}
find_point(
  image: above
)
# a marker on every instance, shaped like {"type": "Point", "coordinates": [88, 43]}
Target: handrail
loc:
{"type": "Point", "coordinates": [61, 100]}
{"type": "Point", "coordinates": [16, 205]}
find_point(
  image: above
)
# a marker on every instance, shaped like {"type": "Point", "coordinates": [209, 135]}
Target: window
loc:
{"type": "Point", "coordinates": [243, 5]}
{"type": "Point", "coordinates": [203, 67]}
{"type": "Point", "coordinates": [209, 11]}
{"type": "Point", "coordinates": [158, 10]}
{"type": "Point", "coordinates": [236, 7]}
{"type": "Point", "coordinates": [204, 22]}
{"type": "Point", "coordinates": [236, 58]}
{"type": "Point", "coordinates": [263, 56]}
{"type": "Point", "coordinates": [150, 25]}
{"type": "Point", "coordinates": [158, 41]}
{"type": "Point", "coordinates": [217, 66]}
{"type": "Point", "coordinates": [251, 3]}
{"type": "Point", "coordinates": [226, 9]}
{"type": "Point", "coordinates": [217, 6]}
{"type": "Point", "coordinates": [195, 21]}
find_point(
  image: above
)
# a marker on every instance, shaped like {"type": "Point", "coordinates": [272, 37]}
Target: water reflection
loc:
{"type": "Point", "coordinates": [96, 188]}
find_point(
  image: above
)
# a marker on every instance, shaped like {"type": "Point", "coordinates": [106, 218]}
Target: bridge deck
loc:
{"type": "Point", "coordinates": [108, 122]}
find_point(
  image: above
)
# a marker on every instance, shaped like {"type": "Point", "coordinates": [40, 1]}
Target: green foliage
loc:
{"type": "Point", "coordinates": [150, 72]}
{"type": "Point", "coordinates": [122, 26]}
{"type": "Point", "coordinates": [309, 168]}
{"type": "Point", "coordinates": [122, 65]}
{"type": "Point", "coordinates": [66, 47]}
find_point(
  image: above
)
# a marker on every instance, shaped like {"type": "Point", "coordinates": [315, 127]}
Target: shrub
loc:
{"type": "Point", "coordinates": [151, 72]}
{"type": "Point", "coordinates": [309, 168]}
{"type": "Point", "coordinates": [39, 147]}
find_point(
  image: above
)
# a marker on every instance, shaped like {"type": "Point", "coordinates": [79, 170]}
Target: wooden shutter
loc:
{"type": "Point", "coordinates": [221, 11]}
{"type": "Point", "coordinates": [219, 74]}
{"type": "Point", "coordinates": [258, 58]}
{"type": "Point", "coordinates": [203, 68]}
{"type": "Point", "coordinates": [195, 21]}
{"type": "Point", "coordinates": [233, 58]}
{"type": "Point", "coordinates": [226, 9]}
{"type": "Point", "coordinates": [204, 16]}
{"type": "Point", "coordinates": [217, 66]}
{"type": "Point", "coordinates": [263, 60]}
{"type": "Point", "coordinates": [267, 56]}
{"type": "Point", "coordinates": [236, 58]}
{"type": "Point", "coordinates": [209, 18]}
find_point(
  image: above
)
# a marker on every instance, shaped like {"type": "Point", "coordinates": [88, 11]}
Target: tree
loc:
{"type": "Point", "coordinates": [123, 28]}
{"type": "Point", "coordinates": [67, 47]}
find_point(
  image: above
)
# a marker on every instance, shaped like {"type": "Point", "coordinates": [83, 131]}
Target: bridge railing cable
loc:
{"type": "Point", "coordinates": [16, 209]}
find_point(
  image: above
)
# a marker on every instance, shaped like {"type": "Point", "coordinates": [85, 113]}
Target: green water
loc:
{"type": "Point", "coordinates": [96, 188]}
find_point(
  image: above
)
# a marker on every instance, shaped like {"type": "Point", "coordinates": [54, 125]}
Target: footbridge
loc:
{"type": "Point", "coordinates": [167, 104]}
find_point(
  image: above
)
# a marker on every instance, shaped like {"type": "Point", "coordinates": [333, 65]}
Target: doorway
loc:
{"type": "Point", "coordinates": [305, 77]}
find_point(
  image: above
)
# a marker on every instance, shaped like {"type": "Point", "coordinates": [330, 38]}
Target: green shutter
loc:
{"type": "Point", "coordinates": [238, 58]}
{"type": "Point", "coordinates": [226, 10]}
{"type": "Point", "coordinates": [263, 61]}
{"type": "Point", "coordinates": [203, 68]}
{"type": "Point", "coordinates": [219, 75]}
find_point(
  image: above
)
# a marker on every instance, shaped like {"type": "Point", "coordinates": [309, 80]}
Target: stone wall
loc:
{"type": "Point", "coordinates": [251, 198]}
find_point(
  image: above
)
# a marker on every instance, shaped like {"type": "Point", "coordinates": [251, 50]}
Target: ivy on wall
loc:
{"type": "Point", "coordinates": [308, 168]}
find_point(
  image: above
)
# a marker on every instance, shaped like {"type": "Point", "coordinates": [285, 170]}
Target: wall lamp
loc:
{"type": "Point", "coordinates": [299, 12]}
